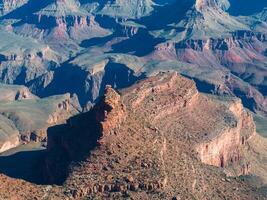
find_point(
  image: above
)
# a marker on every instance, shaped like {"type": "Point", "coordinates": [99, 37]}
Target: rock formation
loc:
{"type": "Point", "coordinates": [147, 139]}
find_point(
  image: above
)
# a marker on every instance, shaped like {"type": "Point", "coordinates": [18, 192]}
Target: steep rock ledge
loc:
{"type": "Point", "coordinates": [227, 146]}
{"type": "Point", "coordinates": [110, 112]}
{"type": "Point", "coordinates": [239, 39]}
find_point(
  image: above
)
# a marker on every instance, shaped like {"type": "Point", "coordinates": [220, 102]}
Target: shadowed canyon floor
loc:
{"type": "Point", "coordinates": [144, 142]}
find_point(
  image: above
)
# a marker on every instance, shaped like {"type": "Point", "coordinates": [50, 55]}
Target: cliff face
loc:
{"type": "Point", "coordinates": [151, 137]}
{"type": "Point", "coordinates": [233, 55]}
{"type": "Point", "coordinates": [90, 128]}
{"type": "Point", "coordinates": [110, 113]}
{"type": "Point", "coordinates": [227, 146]}
{"type": "Point", "coordinates": [238, 39]}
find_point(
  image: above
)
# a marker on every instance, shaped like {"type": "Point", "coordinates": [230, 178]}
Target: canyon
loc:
{"type": "Point", "coordinates": [57, 37]}
{"type": "Point", "coordinates": [136, 99]}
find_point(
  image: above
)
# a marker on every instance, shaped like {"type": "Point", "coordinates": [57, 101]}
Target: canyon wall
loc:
{"type": "Point", "coordinates": [227, 149]}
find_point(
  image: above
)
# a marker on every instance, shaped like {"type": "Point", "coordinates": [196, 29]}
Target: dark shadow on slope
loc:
{"type": "Point", "coordinates": [2, 58]}
{"type": "Point", "coordinates": [45, 22]}
{"type": "Point", "coordinates": [139, 44]}
{"type": "Point", "coordinates": [23, 165]}
{"type": "Point", "coordinates": [97, 41]}
{"type": "Point", "coordinates": [66, 79]}
{"type": "Point", "coordinates": [72, 143]}
{"type": "Point", "coordinates": [119, 76]}
{"type": "Point", "coordinates": [107, 22]}
{"type": "Point", "coordinates": [75, 80]}
{"type": "Point", "coordinates": [248, 102]}
{"type": "Point", "coordinates": [202, 86]}
{"type": "Point", "coordinates": [262, 89]}
{"type": "Point", "coordinates": [162, 16]}
{"type": "Point", "coordinates": [27, 9]}
{"type": "Point", "coordinates": [68, 144]}
{"type": "Point", "coordinates": [20, 79]}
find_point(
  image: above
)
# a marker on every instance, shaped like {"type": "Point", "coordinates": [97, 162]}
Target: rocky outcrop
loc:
{"type": "Point", "coordinates": [111, 112]}
{"type": "Point", "coordinates": [187, 96]}
{"type": "Point", "coordinates": [147, 139]}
